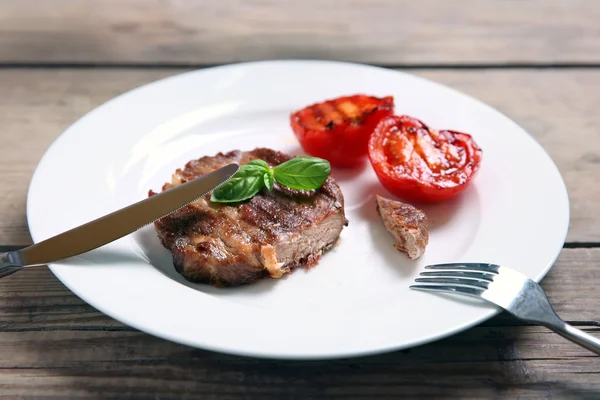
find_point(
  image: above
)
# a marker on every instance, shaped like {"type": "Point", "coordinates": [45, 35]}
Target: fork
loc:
{"type": "Point", "coordinates": [504, 287]}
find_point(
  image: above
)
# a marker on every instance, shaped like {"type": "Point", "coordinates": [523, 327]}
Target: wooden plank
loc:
{"type": "Point", "coordinates": [484, 362]}
{"type": "Point", "coordinates": [34, 300]}
{"type": "Point", "coordinates": [390, 32]}
{"type": "Point", "coordinates": [558, 107]}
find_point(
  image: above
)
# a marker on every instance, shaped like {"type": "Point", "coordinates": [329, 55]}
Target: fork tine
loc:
{"type": "Point", "coordinates": [455, 281]}
{"type": "Point", "coordinates": [449, 289]}
{"type": "Point", "coordinates": [460, 274]}
{"type": "Point", "coordinates": [481, 267]}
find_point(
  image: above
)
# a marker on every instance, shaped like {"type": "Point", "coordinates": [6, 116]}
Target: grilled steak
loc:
{"type": "Point", "coordinates": [266, 236]}
{"type": "Point", "coordinates": [407, 224]}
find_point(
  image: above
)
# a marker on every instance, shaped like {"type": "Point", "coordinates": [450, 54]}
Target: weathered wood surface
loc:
{"type": "Point", "coordinates": [511, 363]}
{"type": "Point", "coordinates": [558, 107]}
{"type": "Point", "coordinates": [54, 345]}
{"type": "Point", "coordinates": [391, 32]}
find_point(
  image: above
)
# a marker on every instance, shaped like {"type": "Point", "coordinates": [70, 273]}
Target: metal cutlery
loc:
{"type": "Point", "coordinates": [504, 287]}
{"type": "Point", "coordinates": [115, 225]}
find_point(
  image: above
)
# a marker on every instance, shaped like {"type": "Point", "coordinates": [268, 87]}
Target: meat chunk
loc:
{"type": "Point", "coordinates": [407, 224]}
{"type": "Point", "coordinates": [266, 236]}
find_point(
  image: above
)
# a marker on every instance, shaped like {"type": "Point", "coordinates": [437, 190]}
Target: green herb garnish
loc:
{"type": "Point", "coordinates": [302, 173]}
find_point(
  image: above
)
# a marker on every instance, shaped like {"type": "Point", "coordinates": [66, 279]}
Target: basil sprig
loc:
{"type": "Point", "coordinates": [302, 173]}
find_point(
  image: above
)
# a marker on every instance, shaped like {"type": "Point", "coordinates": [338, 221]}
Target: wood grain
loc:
{"type": "Point", "coordinates": [55, 346]}
{"type": "Point", "coordinates": [521, 362]}
{"type": "Point", "coordinates": [209, 32]}
{"type": "Point", "coordinates": [558, 107]}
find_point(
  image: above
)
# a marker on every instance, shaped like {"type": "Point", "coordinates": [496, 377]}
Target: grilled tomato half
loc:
{"type": "Point", "coordinates": [338, 130]}
{"type": "Point", "coordinates": [417, 163]}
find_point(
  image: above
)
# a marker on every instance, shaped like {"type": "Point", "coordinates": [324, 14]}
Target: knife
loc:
{"type": "Point", "coordinates": [115, 225]}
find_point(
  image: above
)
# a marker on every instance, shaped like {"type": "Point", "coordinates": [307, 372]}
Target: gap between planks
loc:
{"type": "Point", "coordinates": [426, 66]}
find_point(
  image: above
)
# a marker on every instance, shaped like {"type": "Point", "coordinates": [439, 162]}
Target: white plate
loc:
{"type": "Point", "coordinates": [356, 301]}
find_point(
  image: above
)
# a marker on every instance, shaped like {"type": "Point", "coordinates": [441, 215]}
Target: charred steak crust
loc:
{"type": "Point", "coordinates": [266, 236]}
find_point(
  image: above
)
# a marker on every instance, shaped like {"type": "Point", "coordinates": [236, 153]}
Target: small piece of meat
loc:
{"type": "Point", "coordinates": [407, 224]}
{"type": "Point", "coordinates": [266, 236]}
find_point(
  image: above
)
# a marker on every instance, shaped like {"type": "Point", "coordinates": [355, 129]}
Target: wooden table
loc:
{"type": "Point", "coordinates": [538, 61]}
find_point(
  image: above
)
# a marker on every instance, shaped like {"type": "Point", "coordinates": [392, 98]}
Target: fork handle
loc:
{"type": "Point", "coordinates": [578, 336]}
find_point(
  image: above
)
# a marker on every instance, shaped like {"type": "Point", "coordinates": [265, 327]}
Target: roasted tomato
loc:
{"type": "Point", "coordinates": [338, 130]}
{"type": "Point", "coordinates": [417, 163]}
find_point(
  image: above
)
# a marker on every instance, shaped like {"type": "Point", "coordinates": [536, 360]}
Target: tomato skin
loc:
{"type": "Point", "coordinates": [417, 163]}
{"type": "Point", "coordinates": [338, 130]}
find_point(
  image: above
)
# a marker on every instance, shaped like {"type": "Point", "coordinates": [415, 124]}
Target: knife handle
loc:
{"type": "Point", "coordinates": [10, 263]}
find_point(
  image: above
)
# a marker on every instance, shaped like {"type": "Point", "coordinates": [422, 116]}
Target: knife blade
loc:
{"type": "Point", "coordinates": [115, 225]}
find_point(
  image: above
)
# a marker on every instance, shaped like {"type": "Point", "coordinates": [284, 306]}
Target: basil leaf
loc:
{"type": "Point", "coordinates": [260, 164]}
{"type": "Point", "coordinates": [247, 182]}
{"type": "Point", "coordinates": [303, 173]}
{"type": "Point", "coordinates": [269, 179]}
